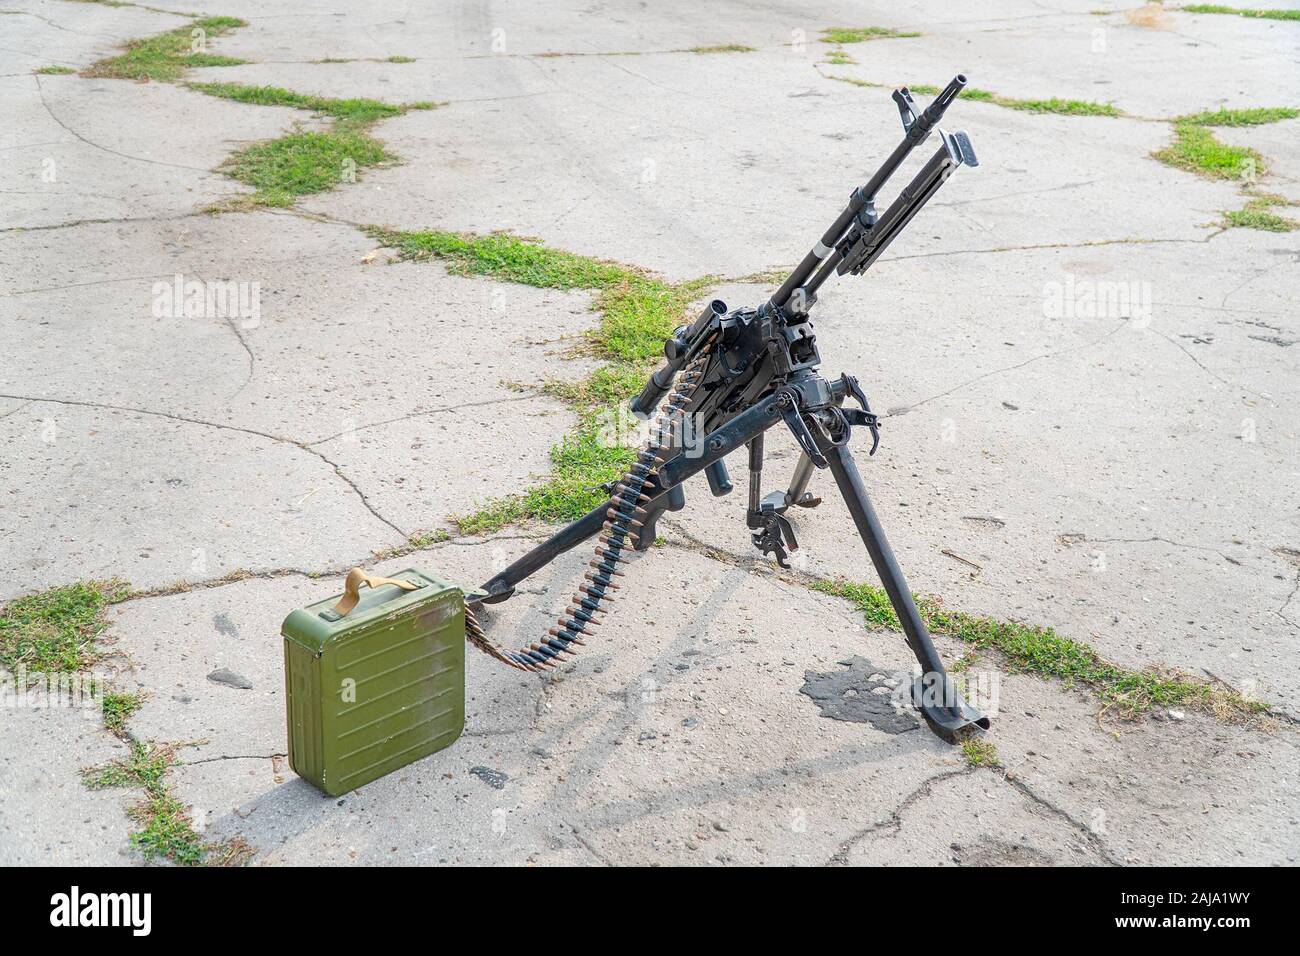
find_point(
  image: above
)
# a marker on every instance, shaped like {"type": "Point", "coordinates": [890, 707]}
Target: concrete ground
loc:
{"type": "Point", "coordinates": [1127, 476]}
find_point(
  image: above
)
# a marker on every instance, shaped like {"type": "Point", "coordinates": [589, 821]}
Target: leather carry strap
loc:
{"type": "Point", "coordinates": [352, 589]}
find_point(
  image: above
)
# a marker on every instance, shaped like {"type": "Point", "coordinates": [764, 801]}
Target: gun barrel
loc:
{"type": "Point", "coordinates": [915, 135]}
{"type": "Point", "coordinates": [871, 243]}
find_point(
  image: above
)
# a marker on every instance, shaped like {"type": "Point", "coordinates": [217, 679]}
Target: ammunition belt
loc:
{"type": "Point", "coordinates": [624, 519]}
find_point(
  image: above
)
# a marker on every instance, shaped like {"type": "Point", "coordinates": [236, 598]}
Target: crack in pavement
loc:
{"type": "Point", "coordinates": [126, 220]}
{"type": "Point", "coordinates": [902, 410]}
{"type": "Point", "coordinates": [420, 414]}
{"type": "Point", "coordinates": [194, 763]}
{"type": "Point", "coordinates": [1214, 375]}
{"type": "Point", "coordinates": [279, 439]}
{"type": "Point", "coordinates": [248, 350]}
{"type": "Point", "coordinates": [112, 152]}
{"type": "Point", "coordinates": [1168, 541]}
{"type": "Point", "coordinates": [270, 574]}
{"type": "Point", "coordinates": [586, 845]}
{"type": "Point", "coordinates": [1053, 245]}
{"type": "Point", "coordinates": [1096, 842]}
{"type": "Point", "coordinates": [894, 821]}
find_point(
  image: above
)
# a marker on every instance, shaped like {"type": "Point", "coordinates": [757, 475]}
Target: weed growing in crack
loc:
{"type": "Point", "coordinates": [1253, 116]}
{"type": "Point", "coordinates": [164, 58]}
{"type": "Point", "coordinates": [166, 831]}
{"type": "Point", "coordinates": [296, 165]}
{"type": "Point", "coordinates": [1061, 107]}
{"type": "Point", "coordinates": [54, 631]}
{"type": "Point", "coordinates": [302, 163]}
{"type": "Point", "coordinates": [415, 541]}
{"type": "Point", "coordinates": [355, 111]}
{"type": "Point", "coordinates": [840, 35]}
{"type": "Point", "coordinates": [1196, 149]}
{"type": "Point", "coordinates": [54, 70]}
{"type": "Point", "coordinates": [165, 828]}
{"type": "Point", "coordinates": [722, 48]}
{"type": "Point", "coordinates": [980, 752]}
{"type": "Point", "coordinates": [1041, 651]}
{"type": "Point", "coordinates": [118, 709]}
{"type": "Point", "coordinates": [1258, 215]}
{"type": "Point", "coordinates": [637, 312]}
{"type": "Point", "coordinates": [1234, 11]}
{"type": "Point", "coordinates": [1053, 104]}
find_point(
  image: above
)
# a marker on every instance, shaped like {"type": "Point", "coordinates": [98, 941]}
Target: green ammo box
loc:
{"type": "Point", "coordinates": [375, 680]}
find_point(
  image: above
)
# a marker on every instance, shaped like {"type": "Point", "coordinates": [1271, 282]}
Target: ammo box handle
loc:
{"type": "Point", "coordinates": [352, 587]}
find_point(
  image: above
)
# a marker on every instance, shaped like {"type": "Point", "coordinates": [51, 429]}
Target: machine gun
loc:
{"type": "Point", "coordinates": [730, 376]}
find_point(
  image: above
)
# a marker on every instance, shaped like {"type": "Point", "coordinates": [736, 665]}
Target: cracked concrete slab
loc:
{"type": "Point", "coordinates": [363, 372]}
{"type": "Point", "coordinates": [47, 815]}
{"type": "Point", "coordinates": [114, 493]}
{"type": "Point", "coordinates": [1273, 142]}
{"type": "Point", "coordinates": [41, 33]}
{"type": "Point", "coordinates": [1122, 474]}
{"type": "Point", "coordinates": [72, 159]}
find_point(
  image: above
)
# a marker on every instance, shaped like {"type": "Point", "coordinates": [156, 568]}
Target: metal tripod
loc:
{"type": "Point", "coordinates": [933, 691]}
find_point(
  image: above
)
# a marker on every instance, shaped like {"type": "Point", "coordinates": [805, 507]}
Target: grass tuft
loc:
{"type": "Point", "coordinates": [980, 752]}
{"type": "Point", "coordinates": [1058, 106]}
{"type": "Point", "coordinates": [1234, 11]}
{"type": "Point", "coordinates": [165, 57]}
{"type": "Point", "coordinates": [505, 257]}
{"type": "Point", "coordinates": [54, 70]}
{"type": "Point", "coordinates": [166, 831]}
{"type": "Point", "coordinates": [1197, 150]}
{"type": "Point", "coordinates": [1062, 107]}
{"type": "Point", "coordinates": [839, 58]}
{"type": "Point", "coordinates": [1257, 215]}
{"type": "Point", "coordinates": [862, 34]}
{"type": "Point", "coordinates": [357, 111]}
{"type": "Point", "coordinates": [54, 631]}
{"type": "Point", "coordinates": [145, 766]}
{"type": "Point", "coordinates": [1254, 116]}
{"type": "Point", "coordinates": [1041, 651]}
{"type": "Point", "coordinates": [853, 80]}
{"type": "Point", "coordinates": [302, 163]}
{"type": "Point", "coordinates": [118, 709]}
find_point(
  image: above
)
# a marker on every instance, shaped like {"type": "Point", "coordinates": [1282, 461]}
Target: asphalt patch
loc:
{"type": "Point", "coordinates": [860, 693]}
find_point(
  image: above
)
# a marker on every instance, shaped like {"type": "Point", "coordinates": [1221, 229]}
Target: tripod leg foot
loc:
{"type": "Point", "coordinates": [943, 709]}
{"type": "Point", "coordinates": [933, 692]}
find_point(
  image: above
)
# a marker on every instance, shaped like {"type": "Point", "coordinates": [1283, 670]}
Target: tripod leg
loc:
{"type": "Point", "coordinates": [933, 692]}
{"type": "Point", "coordinates": [798, 493]}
